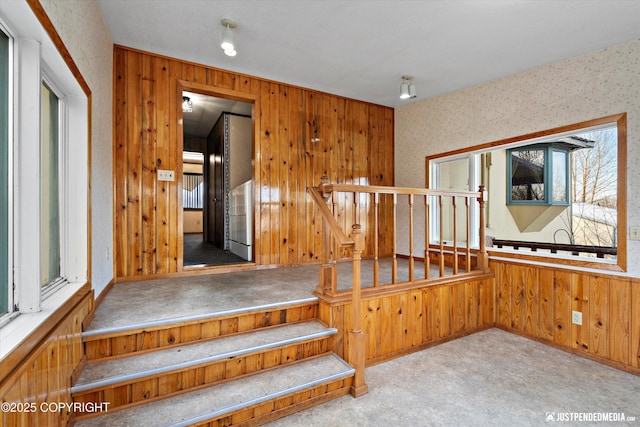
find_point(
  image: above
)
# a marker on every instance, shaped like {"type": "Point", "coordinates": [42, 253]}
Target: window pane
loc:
{"type": "Point", "coordinates": [4, 172]}
{"type": "Point", "coordinates": [559, 176]}
{"type": "Point", "coordinates": [192, 191]}
{"type": "Point", "coordinates": [49, 189]}
{"type": "Point", "coordinates": [527, 175]}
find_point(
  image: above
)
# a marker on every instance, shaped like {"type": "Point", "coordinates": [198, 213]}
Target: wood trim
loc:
{"type": "Point", "coordinates": [577, 263]}
{"type": "Point", "coordinates": [17, 357]}
{"type": "Point", "coordinates": [621, 123]}
{"type": "Point", "coordinates": [553, 264]}
{"type": "Point", "coordinates": [46, 23]}
{"type": "Point", "coordinates": [104, 293]}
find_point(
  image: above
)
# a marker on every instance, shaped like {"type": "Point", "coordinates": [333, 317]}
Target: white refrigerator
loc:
{"type": "Point", "coordinates": [241, 220]}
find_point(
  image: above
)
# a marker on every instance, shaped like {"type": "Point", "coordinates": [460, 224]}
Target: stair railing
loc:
{"type": "Point", "coordinates": [336, 241]}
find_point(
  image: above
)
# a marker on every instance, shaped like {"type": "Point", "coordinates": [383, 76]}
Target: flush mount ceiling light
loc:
{"type": "Point", "coordinates": [187, 105]}
{"type": "Point", "coordinates": [407, 88]}
{"type": "Point", "coordinates": [227, 37]}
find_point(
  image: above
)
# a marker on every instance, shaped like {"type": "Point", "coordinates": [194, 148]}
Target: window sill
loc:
{"type": "Point", "coordinates": [22, 329]}
{"type": "Point", "coordinates": [557, 261]}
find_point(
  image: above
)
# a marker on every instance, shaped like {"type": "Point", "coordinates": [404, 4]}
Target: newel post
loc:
{"type": "Point", "coordinates": [356, 335]}
{"type": "Point", "coordinates": [483, 257]}
{"type": "Point", "coordinates": [326, 282]}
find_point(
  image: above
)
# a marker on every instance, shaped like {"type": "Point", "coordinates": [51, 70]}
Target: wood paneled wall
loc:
{"type": "Point", "coordinates": [404, 321]}
{"type": "Point", "coordinates": [300, 135]}
{"type": "Point", "coordinates": [538, 302]}
{"type": "Point", "coordinates": [44, 376]}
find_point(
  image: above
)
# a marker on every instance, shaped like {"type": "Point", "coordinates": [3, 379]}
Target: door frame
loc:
{"type": "Point", "coordinates": [218, 92]}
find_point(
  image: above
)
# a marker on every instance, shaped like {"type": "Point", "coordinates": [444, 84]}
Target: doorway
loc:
{"type": "Point", "coordinates": [217, 181]}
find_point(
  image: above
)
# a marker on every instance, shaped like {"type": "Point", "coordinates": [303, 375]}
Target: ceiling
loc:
{"type": "Point", "coordinates": [207, 110]}
{"type": "Point", "coordinates": [361, 48]}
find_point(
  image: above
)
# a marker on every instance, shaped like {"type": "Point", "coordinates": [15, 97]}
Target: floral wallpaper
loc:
{"type": "Point", "coordinates": [590, 86]}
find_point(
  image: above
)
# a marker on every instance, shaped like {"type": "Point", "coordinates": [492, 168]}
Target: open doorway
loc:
{"type": "Point", "coordinates": [217, 181]}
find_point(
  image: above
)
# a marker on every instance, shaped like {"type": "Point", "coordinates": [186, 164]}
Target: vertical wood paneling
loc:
{"type": "Point", "coordinates": [598, 316]}
{"type": "Point", "coordinates": [562, 309]}
{"type": "Point", "coordinates": [619, 325]}
{"type": "Point", "coordinates": [404, 321]}
{"type": "Point", "coordinates": [580, 334]}
{"type": "Point", "coordinates": [635, 325]}
{"type": "Point", "coordinates": [287, 159]}
{"type": "Point", "coordinates": [517, 296]}
{"type": "Point", "coordinates": [162, 142]}
{"type": "Point", "coordinates": [610, 307]}
{"type": "Point", "coordinates": [121, 246]}
{"type": "Point", "coordinates": [45, 374]}
{"type": "Point", "coordinates": [547, 304]}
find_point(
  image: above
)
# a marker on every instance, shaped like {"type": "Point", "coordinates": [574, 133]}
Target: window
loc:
{"type": "Point", "coordinates": [538, 174]}
{"type": "Point", "coordinates": [556, 194]}
{"type": "Point", "coordinates": [4, 172]}
{"type": "Point", "coordinates": [44, 175]}
{"type": "Point", "coordinates": [49, 188]}
{"type": "Point", "coordinates": [192, 190]}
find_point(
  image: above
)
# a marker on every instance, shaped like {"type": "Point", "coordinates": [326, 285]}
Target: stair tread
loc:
{"type": "Point", "coordinates": [141, 321]}
{"type": "Point", "coordinates": [225, 398]}
{"type": "Point", "coordinates": [102, 373]}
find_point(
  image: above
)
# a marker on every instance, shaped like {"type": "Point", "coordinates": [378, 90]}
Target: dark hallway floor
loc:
{"type": "Point", "coordinates": [197, 252]}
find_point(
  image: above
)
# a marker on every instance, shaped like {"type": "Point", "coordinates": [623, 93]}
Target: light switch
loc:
{"type": "Point", "coordinates": [165, 175]}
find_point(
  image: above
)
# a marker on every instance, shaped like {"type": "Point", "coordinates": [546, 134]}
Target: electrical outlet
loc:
{"type": "Point", "coordinates": [634, 233]}
{"type": "Point", "coordinates": [165, 175]}
{"type": "Point", "coordinates": [576, 317]}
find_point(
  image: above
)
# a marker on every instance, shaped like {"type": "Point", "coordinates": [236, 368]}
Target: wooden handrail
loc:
{"type": "Point", "coordinates": [352, 188]}
{"type": "Point", "coordinates": [335, 228]}
{"type": "Point", "coordinates": [334, 239]}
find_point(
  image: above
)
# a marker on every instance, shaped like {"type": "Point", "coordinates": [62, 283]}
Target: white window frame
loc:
{"type": "Point", "coordinates": [36, 59]}
{"type": "Point", "coordinates": [10, 170]}
{"type": "Point", "coordinates": [473, 185]}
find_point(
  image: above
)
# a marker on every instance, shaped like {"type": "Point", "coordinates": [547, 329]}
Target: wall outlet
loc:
{"type": "Point", "coordinates": [576, 317]}
{"type": "Point", "coordinates": [634, 233]}
{"type": "Point", "coordinates": [165, 175]}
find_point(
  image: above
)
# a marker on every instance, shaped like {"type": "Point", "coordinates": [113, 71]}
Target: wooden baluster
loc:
{"type": "Point", "coordinates": [325, 285]}
{"type": "Point", "coordinates": [427, 261]}
{"type": "Point", "coordinates": [455, 236]}
{"type": "Point", "coordinates": [356, 335]}
{"type": "Point", "coordinates": [441, 237]}
{"type": "Point", "coordinates": [334, 245]}
{"type": "Point", "coordinates": [376, 231]}
{"type": "Point", "coordinates": [411, 260]}
{"type": "Point", "coordinates": [394, 260]}
{"type": "Point", "coordinates": [483, 258]}
{"type": "Point", "coordinates": [468, 234]}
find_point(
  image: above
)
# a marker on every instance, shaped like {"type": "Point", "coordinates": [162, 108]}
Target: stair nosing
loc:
{"type": "Point", "coordinates": [163, 322]}
{"type": "Point", "coordinates": [277, 394]}
{"type": "Point", "coordinates": [191, 363]}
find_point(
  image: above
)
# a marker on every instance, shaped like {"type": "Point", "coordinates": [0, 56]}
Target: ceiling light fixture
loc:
{"type": "Point", "coordinates": [227, 37]}
{"type": "Point", "coordinates": [187, 104]}
{"type": "Point", "coordinates": [407, 88]}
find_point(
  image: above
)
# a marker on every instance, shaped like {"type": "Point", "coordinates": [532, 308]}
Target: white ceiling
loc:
{"type": "Point", "coordinates": [361, 48]}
